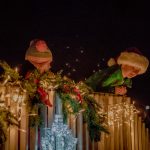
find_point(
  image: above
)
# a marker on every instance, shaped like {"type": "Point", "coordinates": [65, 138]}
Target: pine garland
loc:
{"type": "Point", "coordinates": [76, 97]}
{"type": "Point", "coordinates": [6, 119]}
{"type": "Point", "coordinates": [95, 120]}
{"type": "Point", "coordinates": [9, 72]}
{"type": "Point", "coordinates": [70, 106]}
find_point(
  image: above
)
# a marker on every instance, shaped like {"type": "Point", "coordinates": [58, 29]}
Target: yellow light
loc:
{"type": "Point", "coordinates": [16, 69]}
{"type": "Point", "coordinates": [121, 113]}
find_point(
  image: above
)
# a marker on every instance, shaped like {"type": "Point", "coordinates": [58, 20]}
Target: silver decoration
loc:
{"type": "Point", "coordinates": [58, 137]}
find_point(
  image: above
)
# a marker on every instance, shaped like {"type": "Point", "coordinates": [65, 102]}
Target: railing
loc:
{"type": "Point", "coordinates": [127, 131]}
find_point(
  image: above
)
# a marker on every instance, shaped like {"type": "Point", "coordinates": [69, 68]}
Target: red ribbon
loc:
{"type": "Point", "coordinates": [44, 96]}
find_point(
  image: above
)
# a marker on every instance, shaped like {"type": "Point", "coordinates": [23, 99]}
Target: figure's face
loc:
{"type": "Point", "coordinates": [129, 71]}
{"type": "Point", "coordinates": [41, 66]}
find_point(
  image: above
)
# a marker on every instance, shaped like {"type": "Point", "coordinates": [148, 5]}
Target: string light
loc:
{"type": "Point", "coordinates": [67, 47]}
{"type": "Point", "coordinates": [121, 113]}
{"type": "Point", "coordinates": [67, 64]}
{"type": "Point", "coordinates": [82, 51]}
{"type": "Point", "coordinates": [73, 69]}
{"type": "Point", "coordinates": [98, 65]}
{"type": "Point", "coordinates": [76, 60]}
{"type": "Point", "coordinates": [22, 130]}
{"type": "Point", "coordinates": [16, 69]}
{"type": "Point", "coordinates": [33, 114]}
{"type": "Point", "coordinates": [68, 73]}
{"type": "Point", "coordinates": [6, 80]}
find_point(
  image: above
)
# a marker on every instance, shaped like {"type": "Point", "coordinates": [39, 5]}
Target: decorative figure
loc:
{"type": "Point", "coordinates": [39, 55]}
{"type": "Point", "coordinates": [59, 136]}
{"type": "Point", "coordinates": [117, 77]}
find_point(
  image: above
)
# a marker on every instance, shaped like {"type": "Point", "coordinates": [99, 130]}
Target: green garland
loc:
{"type": "Point", "coordinates": [6, 119]}
{"type": "Point", "coordinates": [9, 72]}
{"type": "Point", "coordinates": [95, 120]}
{"type": "Point", "coordinates": [76, 97]}
{"type": "Point", "coordinates": [70, 106]}
{"type": "Point", "coordinates": [91, 116]}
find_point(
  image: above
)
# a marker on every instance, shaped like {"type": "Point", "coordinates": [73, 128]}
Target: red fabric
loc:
{"type": "Point", "coordinates": [41, 46]}
{"type": "Point", "coordinates": [79, 97]}
{"type": "Point", "coordinates": [28, 74]}
{"type": "Point", "coordinates": [44, 96]}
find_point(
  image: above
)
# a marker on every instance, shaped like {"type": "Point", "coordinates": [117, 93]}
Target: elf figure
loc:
{"type": "Point", "coordinates": [39, 55]}
{"type": "Point", "coordinates": [117, 77]}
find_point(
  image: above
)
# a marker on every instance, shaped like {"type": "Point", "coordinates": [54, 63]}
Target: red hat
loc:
{"type": "Point", "coordinates": [39, 55]}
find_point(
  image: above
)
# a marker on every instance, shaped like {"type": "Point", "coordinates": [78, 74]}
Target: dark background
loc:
{"type": "Point", "coordinates": [81, 35]}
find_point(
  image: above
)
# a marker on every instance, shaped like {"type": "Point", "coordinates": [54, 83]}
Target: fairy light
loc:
{"type": "Point", "coordinates": [74, 70]}
{"type": "Point", "coordinates": [33, 114]}
{"type": "Point", "coordinates": [67, 64]}
{"type": "Point", "coordinates": [68, 73]}
{"type": "Point", "coordinates": [76, 60]}
{"type": "Point", "coordinates": [16, 69]}
{"type": "Point", "coordinates": [121, 113]}
{"type": "Point", "coordinates": [2, 103]}
{"type": "Point", "coordinates": [67, 47]}
{"type": "Point", "coordinates": [6, 80]}
{"type": "Point", "coordinates": [81, 51]}
{"type": "Point", "coordinates": [98, 65]}
{"type": "Point", "coordinates": [22, 130]}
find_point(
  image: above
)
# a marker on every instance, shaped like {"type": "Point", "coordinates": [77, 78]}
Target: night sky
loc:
{"type": "Point", "coordinates": [81, 35]}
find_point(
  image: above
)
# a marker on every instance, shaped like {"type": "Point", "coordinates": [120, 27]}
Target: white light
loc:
{"type": "Point", "coordinates": [77, 60]}
{"type": "Point", "coordinates": [67, 64]}
{"type": "Point", "coordinates": [82, 51]}
{"type": "Point", "coordinates": [16, 69]}
{"type": "Point", "coordinates": [73, 70]}
{"type": "Point", "coordinates": [68, 73]}
{"type": "Point", "coordinates": [147, 107]}
{"type": "Point", "coordinates": [67, 47]}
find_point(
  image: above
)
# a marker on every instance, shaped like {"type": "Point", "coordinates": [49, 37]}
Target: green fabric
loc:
{"type": "Point", "coordinates": [114, 79]}
{"type": "Point", "coordinates": [108, 78]}
{"type": "Point", "coordinates": [33, 52]}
